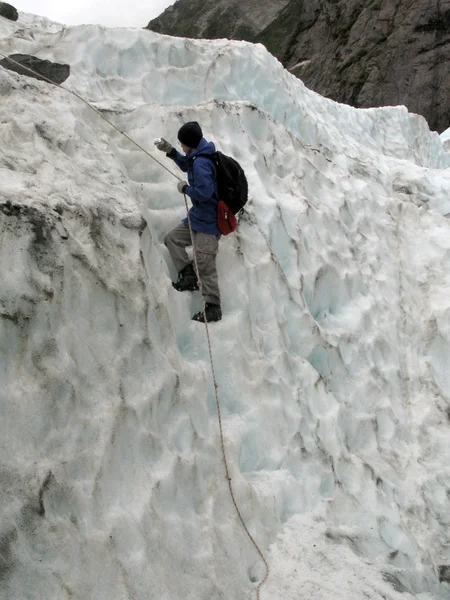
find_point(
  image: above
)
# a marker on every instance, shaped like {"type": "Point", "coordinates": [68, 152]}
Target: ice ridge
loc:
{"type": "Point", "coordinates": [331, 358]}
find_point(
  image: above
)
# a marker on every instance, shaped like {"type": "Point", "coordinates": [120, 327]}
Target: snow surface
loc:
{"type": "Point", "coordinates": [332, 357]}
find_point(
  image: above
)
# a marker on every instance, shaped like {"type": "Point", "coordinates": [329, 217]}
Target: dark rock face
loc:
{"type": "Point", "coordinates": [213, 19]}
{"type": "Point", "coordinates": [362, 52]}
{"type": "Point", "coordinates": [53, 71]}
{"type": "Point", "coordinates": [8, 11]}
{"type": "Point", "coordinates": [444, 573]}
{"type": "Point", "coordinates": [367, 54]}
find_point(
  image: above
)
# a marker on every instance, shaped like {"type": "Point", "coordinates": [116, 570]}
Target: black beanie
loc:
{"type": "Point", "coordinates": [190, 134]}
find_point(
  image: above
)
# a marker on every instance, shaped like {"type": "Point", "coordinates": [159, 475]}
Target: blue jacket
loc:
{"type": "Point", "coordinates": [202, 188]}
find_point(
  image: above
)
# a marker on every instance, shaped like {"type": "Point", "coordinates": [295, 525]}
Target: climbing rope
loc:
{"type": "Point", "coordinates": [94, 109]}
{"type": "Point", "coordinates": [219, 416]}
{"type": "Point", "coordinates": [216, 387]}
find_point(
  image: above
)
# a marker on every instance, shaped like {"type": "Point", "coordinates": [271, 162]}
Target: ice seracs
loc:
{"type": "Point", "coordinates": [445, 139]}
{"type": "Point", "coordinates": [331, 357]}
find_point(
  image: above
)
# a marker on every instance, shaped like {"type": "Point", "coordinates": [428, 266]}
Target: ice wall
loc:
{"type": "Point", "coordinates": [331, 358]}
{"type": "Point", "coordinates": [124, 68]}
{"type": "Point", "coordinates": [445, 139]}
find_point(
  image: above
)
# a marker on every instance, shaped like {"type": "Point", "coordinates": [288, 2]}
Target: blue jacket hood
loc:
{"type": "Point", "coordinates": [204, 147]}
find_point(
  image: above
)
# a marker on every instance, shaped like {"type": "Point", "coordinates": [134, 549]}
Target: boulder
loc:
{"type": "Point", "coordinates": [8, 11]}
{"type": "Point", "coordinates": [53, 71]}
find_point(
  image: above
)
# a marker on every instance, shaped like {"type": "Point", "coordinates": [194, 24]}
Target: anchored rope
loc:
{"type": "Point", "coordinates": [216, 387]}
{"type": "Point", "coordinates": [94, 109]}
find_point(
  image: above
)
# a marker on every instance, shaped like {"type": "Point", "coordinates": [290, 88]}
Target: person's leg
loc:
{"type": "Point", "coordinates": [176, 242]}
{"type": "Point", "coordinates": [206, 247]}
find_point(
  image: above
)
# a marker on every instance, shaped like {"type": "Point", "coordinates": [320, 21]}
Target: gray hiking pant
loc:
{"type": "Point", "coordinates": [206, 247]}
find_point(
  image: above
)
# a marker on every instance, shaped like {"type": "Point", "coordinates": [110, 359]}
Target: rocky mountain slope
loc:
{"type": "Point", "coordinates": [364, 53]}
{"type": "Point", "coordinates": [234, 19]}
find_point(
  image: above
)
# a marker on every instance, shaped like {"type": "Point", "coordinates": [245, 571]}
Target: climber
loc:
{"type": "Point", "coordinates": [201, 188]}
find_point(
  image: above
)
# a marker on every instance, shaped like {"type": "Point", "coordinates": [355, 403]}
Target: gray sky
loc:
{"type": "Point", "coordinates": [112, 13]}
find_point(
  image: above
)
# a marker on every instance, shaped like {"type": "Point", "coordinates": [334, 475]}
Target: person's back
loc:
{"type": "Point", "coordinates": [201, 188]}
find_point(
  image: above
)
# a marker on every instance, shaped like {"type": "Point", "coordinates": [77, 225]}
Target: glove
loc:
{"type": "Point", "coordinates": [182, 185]}
{"type": "Point", "coordinates": [163, 145]}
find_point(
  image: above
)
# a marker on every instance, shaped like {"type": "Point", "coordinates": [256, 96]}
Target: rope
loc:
{"type": "Point", "coordinates": [94, 109]}
{"type": "Point", "coordinates": [216, 387]}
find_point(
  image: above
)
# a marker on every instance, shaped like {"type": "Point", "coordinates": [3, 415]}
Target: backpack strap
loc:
{"type": "Point", "coordinates": [212, 157]}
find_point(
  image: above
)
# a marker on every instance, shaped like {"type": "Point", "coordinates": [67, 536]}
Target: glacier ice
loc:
{"type": "Point", "coordinates": [445, 139]}
{"type": "Point", "coordinates": [332, 358]}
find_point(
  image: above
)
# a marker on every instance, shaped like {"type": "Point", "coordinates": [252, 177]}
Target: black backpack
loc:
{"type": "Point", "coordinates": [231, 181]}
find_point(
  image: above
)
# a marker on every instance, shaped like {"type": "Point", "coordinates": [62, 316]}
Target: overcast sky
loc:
{"type": "Point", "coordinates": [112, 13]}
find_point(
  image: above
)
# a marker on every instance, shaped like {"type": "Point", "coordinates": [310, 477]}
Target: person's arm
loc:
{"type": "Point", "coordinates": [179, 159]}
{"type": "Point", "coordinates": [204, 181]}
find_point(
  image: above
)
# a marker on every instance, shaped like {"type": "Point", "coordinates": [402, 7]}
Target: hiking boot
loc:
{"type": "Point", "coordinates": [187, 280]}
{"type": "Point", "coordinates": [213, 313]}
